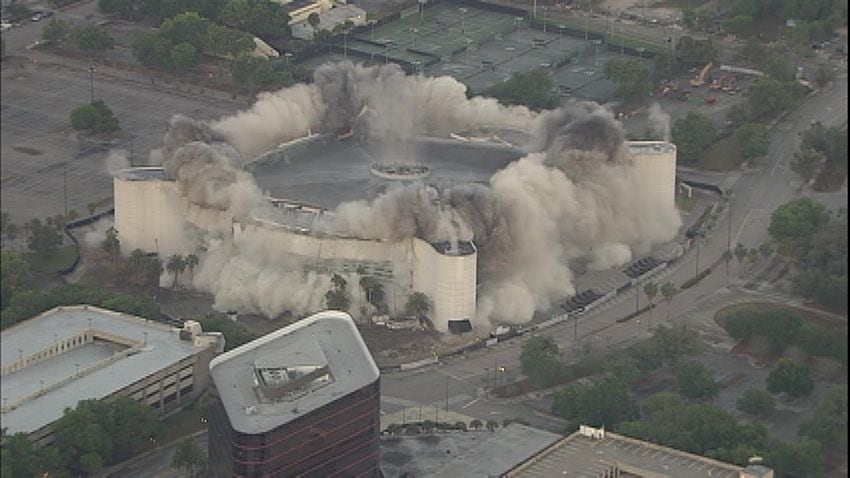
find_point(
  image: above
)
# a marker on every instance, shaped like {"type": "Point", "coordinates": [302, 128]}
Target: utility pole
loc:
{"type": "Point", "coordinates": [65, 185]}
{"type": "Point", "coordinates": [91, 83]}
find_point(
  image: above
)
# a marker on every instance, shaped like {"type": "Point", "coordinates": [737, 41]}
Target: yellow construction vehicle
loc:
{"type": "Point", "coordinates": [700, 80]}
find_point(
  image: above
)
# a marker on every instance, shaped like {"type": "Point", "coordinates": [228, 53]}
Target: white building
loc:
{"type": "Point", "coordinates": [68, 354]}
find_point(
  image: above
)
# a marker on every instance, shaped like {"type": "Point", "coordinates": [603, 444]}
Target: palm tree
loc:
{"type": "Point", "coordinates": [650, 290]}
{"type": "Point", "coordinates": [740, 253]}
{"type": "Point", "coordinates": [175, 265]}
{"type": "Point", "coordinates": [192, 261]}
{"type": "Point", "coordinates": [338, 282]}
{"type": "Point", "coordinates": [476, 424]}
{"type": "Point", "coordinates": [314, 20]}
{"type": "Point", "coordinates": [727, 256]}
{"type": "Point", "coordinates": [492, 425]}
{"type": "Point", "coordinates": [111, 245]}
{"type": "Point", "coordinates": [418, 305]}
{"type": "Point", "coordinates": [137, 260]}
{"type": "Point", "coordinates": [668, 290]}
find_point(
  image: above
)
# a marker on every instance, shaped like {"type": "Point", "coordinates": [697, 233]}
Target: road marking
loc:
{"type": "Point", "coordinates": [459, 379]}
{"type": "Point", "coordinates": [744, 224]}
{"type": "Point", "coordinates": [471, 403]}
{"type": "Point", "coordinates": [781, 157]}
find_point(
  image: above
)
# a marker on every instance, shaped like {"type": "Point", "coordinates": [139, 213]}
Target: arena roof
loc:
{"type": "Point", "coordinates": [325, 171]}
{"type": "Point", "coordinates": [324, 351]}
{"type": "Point", "coordinates": [125, 349]}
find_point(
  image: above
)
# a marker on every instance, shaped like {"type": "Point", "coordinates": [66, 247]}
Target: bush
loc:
{"type": "Point", "coordinates": [697, 381]}
{"type": "Point", "coordinates": [96, 118]}
{"type": "Point", "coordinates": [93, 38]}
{"type": "Point", "coordinates": [757, 402]}
{"type": "Point", "coordinates": [790, 377]}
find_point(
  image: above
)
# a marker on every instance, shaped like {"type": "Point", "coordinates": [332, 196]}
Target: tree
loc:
{"type": "Point", "coordinates": [790, 377]}
{"type": "Point", "coordinates": [252, 72]}
{"type": "Point", "coordinates": [605, 403]}
{"type": "Point", "coordinates": [739, 25]}
{"type": "Point", "coordinates": [124, 9]}
{"type": "Point", "coordinates": [739, 114]}
{"type": "Point", "coordinates": [192, 261]}
{"type": "Point", "coordinates": [234, 333]}
{"type": "Point", "coordinates": [829, 423]}
{"type": "Point", "coordinates": [152, 50]}
{"type": "Point", "coordinates": [44, 240]}
{"type": "Point", "coordinates": [111, 245]}
{"type": "Point", "coordinates": [418, 305]}
{"type": "Point", "coordinates": [797, 220]}
{"type": "Point", "coordinates": [696, 381]}
{"type": "Point", "coordinates": [91, 208]}
{"type": "Point", "coordinates": [314, 20]}
{"type": "Point", "coordinates": [184, 56]}
{"type": "Point", "coordinates": [188, 27]}
{"type": "Point", "coordinates": [260, 17]}
{"type": "Point", "coordinates": [138, 258]}
{"type": "Point", "coordinates": [460, 426]}
{"type": "Point", "coordinates": [803, 459]}
{"type": "Point", "coordinates": [476, 424]}
{"type": "Point", "coordinates": [695, 53]}
{"type": "Point", "coordinates": [175, 266]}
{"type": "Point", "coordinates": [806, 162]}
{"type": "Point", "coordinates": [651, 290]}
{"type": "Point", "coordinates": [96, 118]}
{"type": "Point", "coordinates": [632, 78]}
{"type": "Point", "coordinates": [533, 89]}
{"type": "Point", "coordinates": [55, 31]}
{"type": "Point", "coordinates": [757, 402]}
{"type": "Point", "coordinates": [14, 276]}
{"type": "Point", "coordinates": [93, 38]}
{"type": "Point", "coordinates": [753, 139]}
{"type": "Point", "coordinates": [373, 289]}
{"type": "Point", "coordinates": [740, 252]}
{"type": "Point", "coordinates": [492, 425]}
{"type": "Point", "coordinates": [753, 255]}
{"type": "Point", "coordinates": [189, 457]}
{"type": "Point", "coordinates": [768, 97]}
{"type": "Point", "coordinates": [223, 41]}
{"type": "Point", "coordinates": [693, 134]}
{"type": "Point", "coordinates": [823, 75]}
{"type": "Point", "coordinates": [668, 290]}
{"type": "Point", "coordinates": [540, 362]}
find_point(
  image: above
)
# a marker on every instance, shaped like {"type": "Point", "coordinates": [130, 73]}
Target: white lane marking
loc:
{"type": "Point", "coordinates": [471, 403]}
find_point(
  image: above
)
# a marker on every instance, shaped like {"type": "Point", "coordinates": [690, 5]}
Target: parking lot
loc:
{"type": "Point", "coordinates": [40, 152]}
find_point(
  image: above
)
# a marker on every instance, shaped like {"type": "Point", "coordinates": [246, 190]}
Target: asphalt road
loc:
{"type": "Point", "coordinates": [757, 192]}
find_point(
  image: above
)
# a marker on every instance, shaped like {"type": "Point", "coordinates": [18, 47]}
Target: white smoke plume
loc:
{"type": "Point", "coordinates": [116, 160]}
{"type": "Point", "coordinates": [576, 196]}
{"type": "Point", "coordinates": [659, 122]}
{"type": "Point", "coordinates": [96, 233]}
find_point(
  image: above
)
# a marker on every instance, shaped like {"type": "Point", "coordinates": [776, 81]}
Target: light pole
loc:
{"type": "Point", "coordinates": [561, 28]}
{"type": "Point", "coordinates": [65, 185]}
{"type": "Point", "coordinates": [697, 239]}
{"type": "Point", "coordinates": [545, 9]}
{"type": "Point", "coordinates": [511, 50]}
{"type": "Point", "coordinates": [413, 32]}
{"type": "Point", "coordinates": [372, 24]}
{"type": "Point", "coordinates": [468, 45]}
{"type": "Point", "coordinates": [345, 43]}
{"type": "Point", "coordinates": [91, 83]}
{"type": "Point", "coordinates": [463, 11]}
{"type": "Point", "coordinates": [518, 23]}
{"type": "Point", "coordinates": [447, 393]}
{"type": "Point", "coordinates": [387, 51]}
{"type": "Point", "coordinates": [287, 55]}
{"type": "Point", "coordinates": [596, 58]}
{"type": "Point", "coordinates": [421, 11]}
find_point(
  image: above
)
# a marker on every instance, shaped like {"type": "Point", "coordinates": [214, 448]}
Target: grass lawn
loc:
{"type": "Point", "coordinates": [62, 259]}
{"type": "Point", "coordinates": [724, 155]}
{"type": "Point", "coordinates": [810, 316]}
{"type": "Point", "coordinates": [685, 203]}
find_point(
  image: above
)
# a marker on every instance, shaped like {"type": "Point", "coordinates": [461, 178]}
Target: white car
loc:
{"type": "Point", "coordinates": [5, 26]}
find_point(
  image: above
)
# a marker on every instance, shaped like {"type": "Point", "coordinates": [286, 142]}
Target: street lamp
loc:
{"type": "Point", "coordinates": [287, 55]}
{"type": "Point", "coordinates": [518, 21]}
{"type": "Point", "coordinates": [545, 9]}
{"type": "Point", "coordinates": [468, 45]}
{"type": "Point", "coordinates": [463, 11]}
{"type": "Point", "coordinates": [345, 43]}
{"type": "Point", "coordinates": [561, 28]}
{"type": "Point", "coordinates": [510, 49]}
{"type": "Point", "coordinates": [413, 32]}
{"type": "Point", "coordinates": [387, 44]}
{"type": "Point", "coordinates": [91, 83]}
{"type": "Point", "coordinates": [596, 59]}
{"type": "Point", "coordinates": [372, 24]}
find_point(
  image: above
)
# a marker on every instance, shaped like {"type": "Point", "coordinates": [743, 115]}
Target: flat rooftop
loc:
{"type": "Point", "coordinates": [100, 352]}
{"type": "Point", "coordinates": [478, 454]}
{"type": "Point", "coordinates": [650, 147]}
{"type": "Point", "coordinates": [324, 351]}
{"type": "Point", "coordinates": [581, 456]}
{"type": "Point", "coordinates": [144, 173]}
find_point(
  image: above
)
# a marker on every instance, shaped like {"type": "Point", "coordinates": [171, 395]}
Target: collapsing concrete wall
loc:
{"type": "Point", "coordinates": [446, 273]}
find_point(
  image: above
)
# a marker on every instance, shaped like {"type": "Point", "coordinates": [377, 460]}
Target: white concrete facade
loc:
{"type": "Point", "coordinates": [655, 162]}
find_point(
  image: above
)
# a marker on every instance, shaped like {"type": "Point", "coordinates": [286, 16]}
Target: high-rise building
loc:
{"type": "Point", "coordinates": [301, 401]}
